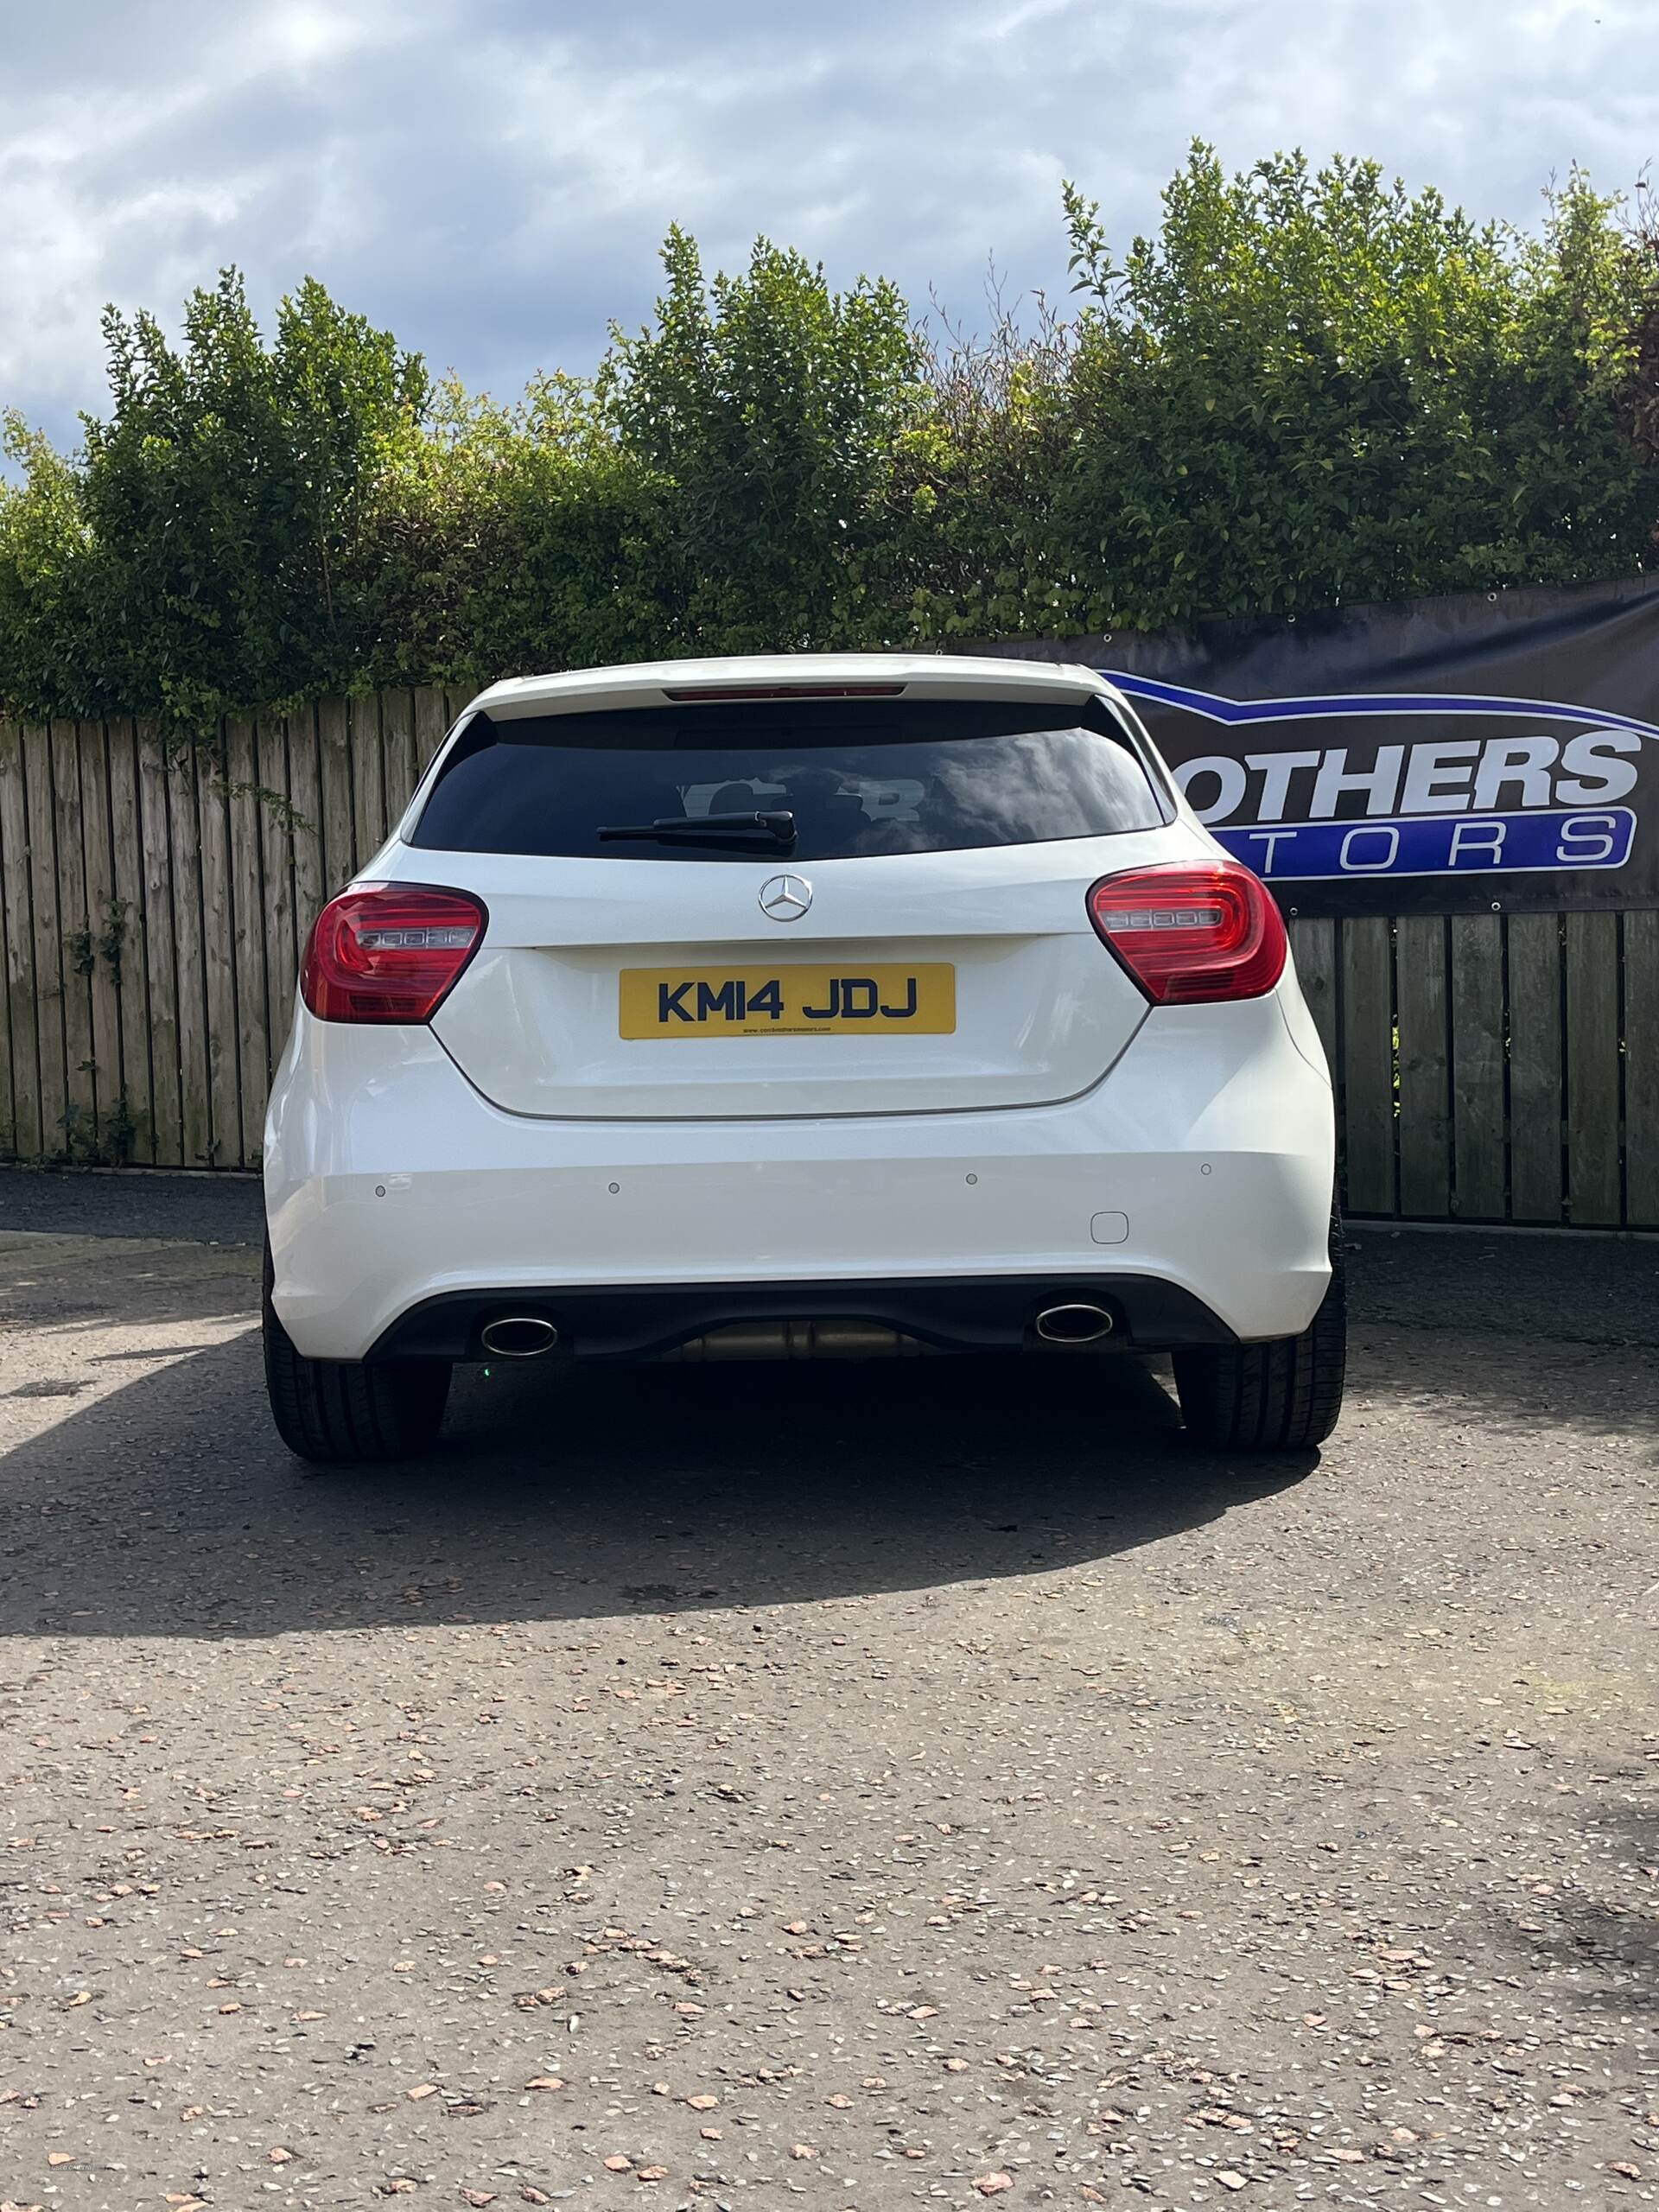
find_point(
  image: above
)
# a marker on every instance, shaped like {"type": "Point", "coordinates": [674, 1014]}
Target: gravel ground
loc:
{"type": "Point", "coordinates": [862, 1789]}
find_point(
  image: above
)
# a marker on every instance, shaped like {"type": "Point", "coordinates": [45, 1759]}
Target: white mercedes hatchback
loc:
{"type": "Point", "coordinates": [830, 1005]}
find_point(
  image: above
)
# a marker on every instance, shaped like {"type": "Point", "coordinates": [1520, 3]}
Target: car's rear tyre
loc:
{"type": "Point", "coordinates": [1282, 1397]}
{"type": "Point", "coordinates": [337, 1412]}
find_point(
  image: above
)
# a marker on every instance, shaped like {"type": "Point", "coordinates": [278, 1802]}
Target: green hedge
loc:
{"type": "Point", "coordinates": [1308, 388]}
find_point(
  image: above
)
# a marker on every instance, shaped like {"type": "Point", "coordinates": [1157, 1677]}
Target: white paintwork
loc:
{"type": "Point", "coordinates": [1042, 1008]}
{"type": "Point", "coordinates": [519, 1142]}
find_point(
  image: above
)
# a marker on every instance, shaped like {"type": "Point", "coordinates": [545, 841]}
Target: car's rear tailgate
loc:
{"type": "Point", "coordinates": [1036, 1009]}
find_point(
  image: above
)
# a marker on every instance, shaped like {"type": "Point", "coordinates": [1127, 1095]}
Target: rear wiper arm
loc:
{"type": "Point", "coordinates": [707, 828]}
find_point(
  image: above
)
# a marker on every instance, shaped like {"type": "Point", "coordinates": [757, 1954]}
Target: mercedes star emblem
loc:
{"type": "Point", "coordinates": [785, 898]}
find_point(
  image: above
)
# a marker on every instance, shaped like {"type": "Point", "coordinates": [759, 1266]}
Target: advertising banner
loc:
{"type": "Point", "coordinates": [1492, 753]}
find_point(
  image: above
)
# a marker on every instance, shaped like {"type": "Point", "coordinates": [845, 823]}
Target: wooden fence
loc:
{"type": "Point", "coordinates": [1489, 1068]}
{"type": "Point", "coordinates": [154, 913]}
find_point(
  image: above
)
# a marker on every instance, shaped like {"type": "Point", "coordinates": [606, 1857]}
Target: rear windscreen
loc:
{"type": "Point", "coordinates": [815, 781]}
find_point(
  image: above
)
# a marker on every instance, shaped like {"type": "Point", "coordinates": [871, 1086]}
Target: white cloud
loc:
{"type": "Point", "coordinates": [491, 177]}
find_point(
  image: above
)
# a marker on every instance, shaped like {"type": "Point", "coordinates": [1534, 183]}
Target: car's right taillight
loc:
{"type": "Point", "coordinates": [1192, 932]}
{"type": "Point", "coordinates": [389, 951]}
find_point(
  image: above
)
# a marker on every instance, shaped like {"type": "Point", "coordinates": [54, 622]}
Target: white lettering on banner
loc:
{"type": "Point", "coordinates": [1450, 776]}
{"type": "Point", "coordinates": [1269, 840]}
{"type": "Point", "coordinates": [1523, 761]}
{"type": "Point", "coordinates": [1612, 778]}
{"type": "Point", "coordinates": [1381, 783]}
{"type": "Point", "coordinates": [1231, 784]}
{"type": "Point", "coordinates": [1433, 785]}
{"type": "Point", "coordinates": [1276, 770]}
{"type": "Point", "coordinates": [1345, 859]}
{"type": "Point", "coordinates": [1477, 837]}
{"type": "Point", "coordinates": [1586, 838]}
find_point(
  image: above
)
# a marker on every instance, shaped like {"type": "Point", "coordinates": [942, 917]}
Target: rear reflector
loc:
{"type": "Point", "coordinates": [389, 951]}
{"type": "Point", "coordinates": [1190, 934]}
{"type": "Point", "coordinates": [693, 694]}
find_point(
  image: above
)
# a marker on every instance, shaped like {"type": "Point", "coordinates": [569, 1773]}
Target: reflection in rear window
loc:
{"type": "Point", "coordinates": [926, 775]}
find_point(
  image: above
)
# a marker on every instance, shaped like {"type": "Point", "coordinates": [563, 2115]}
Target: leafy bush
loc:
{"type": "Point", "coordinates": [1315, 388]}
{"type": "Point", "coordinates": [1309, 387]}
{"type": "Point", "coordinates": [198, 553]}
{"type": "Point", "coordinates": [766, 409]}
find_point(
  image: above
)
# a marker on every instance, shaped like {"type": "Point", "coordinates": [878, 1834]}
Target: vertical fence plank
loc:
{"type": "Point", "coordinates": [195, 1079]}
{"type": "Point", "coordinates": [22, 1034]}
{"type": "Point", "coordinates": [1313, 946]}
{"type": "Point", "coordinates": [418, 758]}
{"type": "Point", "coordinates": [248, 933]}
{"type": "Point", "coordinates": [276, 836]}
{"type": "Point", "coordinates": [1425, 1076]}
{"type": "Point", "coordinates": [398, 755]}
{"type": "Point", "coordinates": [131, 944]}
{"type": "Point", "coordinates": [48, 938]}
{"type": "Point", "coordinates": [157, 790]}
{"type": "Point", "coordinates": [431, 724]}
{"type": "Point", "coordinates": [219, 961]}
{"type": "Point", "coordinates": [78, 952]}
{"type": "Point", "coordinates": [1479, 1066]}
{"type": "Point", "coordinates": [335, 764]}
{"type": "Point", "coordinates": [305, 796]}
{"type": "Point", "coordinates": [1593, 1194]}
{"type": "Point", "coordinates": [1367, 1066]}
{"type": "Point", "coordinates": [1536, 1067]}
{"type": "Point", "coordinates": [368, 780]}
{"type": "Point", "coordinates": [1641, 1026]}
{"type": "Point", "coordinates": [108, 1082]}
{"type": "Point", "coordinates": [8, 1097]}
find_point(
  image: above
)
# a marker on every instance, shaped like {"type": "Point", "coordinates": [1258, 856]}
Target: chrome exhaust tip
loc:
{"type": "Point", "coordinates": [1076, 1324]}
{"type": "Point", "coordinates": [518, 1336]}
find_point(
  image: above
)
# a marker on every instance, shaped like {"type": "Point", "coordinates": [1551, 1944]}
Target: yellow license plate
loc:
{"type": "Point", "coordinates": [790, 1000]}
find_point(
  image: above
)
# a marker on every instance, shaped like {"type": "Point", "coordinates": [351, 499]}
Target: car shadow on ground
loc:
{"type": "Point", "coordinates": [1598, 1945]}
{"type": "Point", "coordinates": [166, 1505]}
{"type": "Point", "coordinates": [68, 1292]}
{"type": "Point", "coordinates": [170, 1508]}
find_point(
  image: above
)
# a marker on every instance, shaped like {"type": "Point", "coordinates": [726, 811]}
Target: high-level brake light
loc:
{"type": "Point", "coordinates": [697, 693]}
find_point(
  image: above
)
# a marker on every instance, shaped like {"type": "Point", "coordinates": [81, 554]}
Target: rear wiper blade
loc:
{"type": "Point", "coordinates": [705, 828]}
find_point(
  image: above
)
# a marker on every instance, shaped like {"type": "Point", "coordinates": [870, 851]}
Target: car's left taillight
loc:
{"type": "Point", "coordinates": [390, 951]}
{"type": "Point", "coordinates": [1193, 933]}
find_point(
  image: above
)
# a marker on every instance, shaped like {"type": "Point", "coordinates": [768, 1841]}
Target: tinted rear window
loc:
{"type": "Point", "coordinates": [926, 775]}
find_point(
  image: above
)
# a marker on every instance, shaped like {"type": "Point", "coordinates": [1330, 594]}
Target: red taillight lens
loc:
{"type": "Point", "coordinates": [389, 952]}
{"type": "Point", "coordinates": [1192, 934]}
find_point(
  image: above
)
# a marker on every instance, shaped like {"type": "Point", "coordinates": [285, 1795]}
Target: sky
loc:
{"type": "Point", "coordinates": [491, 179]}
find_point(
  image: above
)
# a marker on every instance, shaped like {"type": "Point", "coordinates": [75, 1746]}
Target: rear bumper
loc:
{"type": "Point", "coordinates": [982, 1313]}
{"type": "Point", "coordinates": [1192, 1187]}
